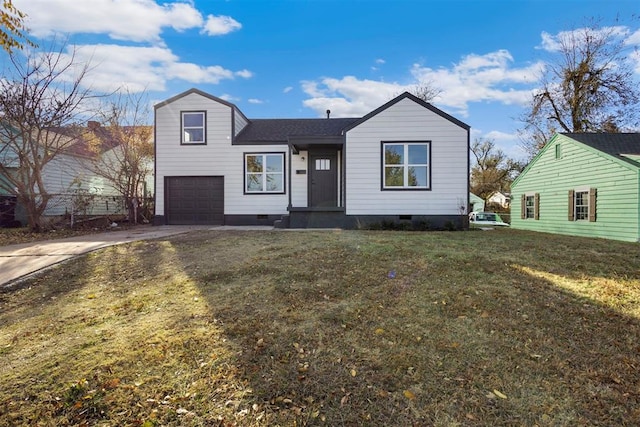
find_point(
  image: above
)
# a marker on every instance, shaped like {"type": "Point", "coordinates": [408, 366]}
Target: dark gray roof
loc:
{"type": "Point", "coordinates": [321, 130]}
{"type": "Point", "coordinates": [279, 130]}
{"type": "Point", "coordinates": [614, 144]}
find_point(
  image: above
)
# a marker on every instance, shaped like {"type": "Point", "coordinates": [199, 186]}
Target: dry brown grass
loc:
{"type": "Point", "coordinates": [328, 328]}
{"type": "Point", "coordinates": [14, 236]}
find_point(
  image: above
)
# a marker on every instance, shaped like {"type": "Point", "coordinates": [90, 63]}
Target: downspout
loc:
{"type": "Point", "coordinates": [155, 172]}
{"type": "Point", "coordinates": [290, 176]}
{"type": "Point", "coordinates": [343, 166]}
{"type": "Point", "coordinates": [465, 219]}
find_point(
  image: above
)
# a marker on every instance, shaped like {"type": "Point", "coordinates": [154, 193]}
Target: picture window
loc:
{"type": "Point", "coordinates": [264, 173]}
{"type": "Point", "coordinates": [405, 165]}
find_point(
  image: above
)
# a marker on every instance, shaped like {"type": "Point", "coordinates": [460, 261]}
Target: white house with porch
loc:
{"type": "Point", "coordinates": [405, 161]}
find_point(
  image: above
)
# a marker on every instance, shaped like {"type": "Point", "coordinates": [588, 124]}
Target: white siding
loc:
{"type": "Point", "coordinates": [299, 184]}
{"type": "Point", "coordinates": [217, 158]}
{"type": "Point", "coordinates": [407, 121]}
{"type": "Point", "coordinates": [240, 122]}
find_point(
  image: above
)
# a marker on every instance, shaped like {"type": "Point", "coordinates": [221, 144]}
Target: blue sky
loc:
{"type": "Point", "coordinates": [299, 58]}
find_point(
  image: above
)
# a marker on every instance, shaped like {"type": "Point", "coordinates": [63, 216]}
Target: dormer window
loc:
{"type": "Point", "coordinates": [193, 127]}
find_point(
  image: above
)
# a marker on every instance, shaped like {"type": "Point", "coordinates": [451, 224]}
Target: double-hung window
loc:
{"type": "Point", "coordinates": [530, 206]}
{"type": "Point", "coordinates": [406, 165]}
{"type": "Point", "coordinates": [193, 127]}
{"type": "Point", "coordinates": [264, 173]}
{"type": "Point", "coordinates": [582, 204]}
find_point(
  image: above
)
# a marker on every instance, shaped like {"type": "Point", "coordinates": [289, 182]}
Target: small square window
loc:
{"type": "Point", "coordinates": [194, 127]}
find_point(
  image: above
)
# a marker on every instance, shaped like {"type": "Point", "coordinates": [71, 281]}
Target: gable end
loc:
{"type": "Point", "coordinates": [559, 137]}
{"type": "Point", "coordinates": [415, 99]}
{"type": "Point", "coordinates": [198, 92]}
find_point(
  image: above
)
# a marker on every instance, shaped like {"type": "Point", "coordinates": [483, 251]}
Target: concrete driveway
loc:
{"type": "Point", "coordinates": [19, 261]}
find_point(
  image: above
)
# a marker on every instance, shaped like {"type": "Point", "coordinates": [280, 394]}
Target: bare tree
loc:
{"type": "Point", "coordinates": [426, 91]}
{"type": "Point", "coordinates": [587, 87]}
{"type": "Point", "coordinates": [123, 149]}
{"type": "Point", "coordinates": [39, 95]}
{"type": "Point", "coordinates": [12, 28]}
{"type": "Point", "coordinates": [493, 170]}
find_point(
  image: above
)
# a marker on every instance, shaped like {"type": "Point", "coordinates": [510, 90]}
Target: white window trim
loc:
{"type": "Point", "coordinates": [533, 210]}
{"type": "Point", "coordinates": [575, 203]}
{"type": "Point", "coordinates": [184, 128]}
{"type": "Point", "coordinates": [264, 174]}
{"type": "Point", "coordinates": [406, 165]}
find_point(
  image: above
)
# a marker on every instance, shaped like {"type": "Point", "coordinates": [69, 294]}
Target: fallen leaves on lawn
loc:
{"type": "Point", "coordinates": [409, 394]}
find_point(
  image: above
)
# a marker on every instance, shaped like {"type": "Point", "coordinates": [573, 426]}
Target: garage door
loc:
{"type": "Point", "coordinates": [191, 200]}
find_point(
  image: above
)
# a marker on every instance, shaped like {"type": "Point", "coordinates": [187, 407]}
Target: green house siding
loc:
{"type": "Point", "coordinates": [580, 167]}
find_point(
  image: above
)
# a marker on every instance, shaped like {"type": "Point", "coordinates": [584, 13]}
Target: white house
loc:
{"type": "Point", "coordinates": [405, 161]}
{"type": "Point", "coordinates": [499, 198]}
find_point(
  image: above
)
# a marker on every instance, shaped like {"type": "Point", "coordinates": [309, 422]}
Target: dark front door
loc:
{"type": "Point", "coordinates": [323, 180]}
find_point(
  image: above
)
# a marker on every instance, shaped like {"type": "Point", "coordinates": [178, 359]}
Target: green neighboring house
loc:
{"type": "Point", "coordinates": [582, 184]}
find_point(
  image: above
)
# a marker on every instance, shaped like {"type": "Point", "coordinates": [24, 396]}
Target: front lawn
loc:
{"type": "Point", "coordinates": [266, 328]}
{"type": "Point", "coordinates": [14, 236]}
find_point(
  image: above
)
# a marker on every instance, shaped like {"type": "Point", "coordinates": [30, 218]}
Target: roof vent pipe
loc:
{"type": "Point", "coordinates": [328, 113]}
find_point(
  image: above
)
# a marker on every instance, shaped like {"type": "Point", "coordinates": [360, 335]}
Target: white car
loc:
{"type": "Point", "coordinates": [487, 218]}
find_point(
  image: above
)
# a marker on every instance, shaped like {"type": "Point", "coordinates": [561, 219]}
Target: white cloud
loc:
{"type": "Point", "coordinates": [481, 78]}
{"type": "Point", "coordinates": [134, 20]}
{"type": "Point", "coordinates": [255, 101]}
{"type": "Point", "coordinates": [246, 74]}
{"type": "Point", "coordinates": [287, 89]}
{"type": "Point", "coordinates": [497, 136]}
{"type": "Point", "coordinates": [220, 25]}
{"type": "Point", "coordinates": [635, 58]}
{"type": "Point", "coordinates": [549, 42]}
{"type": "Point", "coordinates": [378, 61]}
{"type": "Point", "coordinates": [348, 96]}
{"type": "Point", "coordinates": [196, 73]}
{"type": "Point", "coordinates": [633, 39]}
{"type": "Point", "coordinates": [476, 78]}
{"type": "Point", "coordinates": [229, 98]}
{"type": "Point", "coordinates": [554, 43]}
{"type": "Point", "coordinates": [139, 68]}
